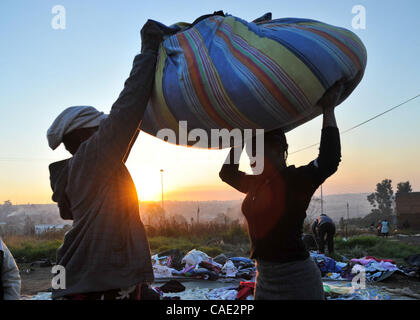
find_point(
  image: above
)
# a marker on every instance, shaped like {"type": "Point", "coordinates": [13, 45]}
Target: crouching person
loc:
{"type": "Point", "coordinates": [9, 275]}
{"type": "Point", "coordinates": [105, 255]}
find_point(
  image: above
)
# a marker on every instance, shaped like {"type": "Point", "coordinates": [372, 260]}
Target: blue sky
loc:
{"type": "Point", "coordinates": [44, 71]}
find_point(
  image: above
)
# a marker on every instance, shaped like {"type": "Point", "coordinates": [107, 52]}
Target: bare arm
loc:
{"type": "Point", "coordinates": [330, 149]}
{"type": "Point", "coordinates": [328, 103]}
{"type": "Point", "coordinates": [329, 118]}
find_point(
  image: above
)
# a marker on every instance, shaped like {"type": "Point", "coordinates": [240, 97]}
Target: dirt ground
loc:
{"type": "Point", "coordinates": [413, 240]}
{"type": "Point", "coordinates": [398, 281]}
{"type": "Point", "coordinates": [38, 279]}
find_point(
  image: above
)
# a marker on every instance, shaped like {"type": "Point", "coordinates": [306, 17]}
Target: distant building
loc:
{"type": "Point", "coordinates": [41, 228]}
{"type": "Point", "coordinates": [408, 210]}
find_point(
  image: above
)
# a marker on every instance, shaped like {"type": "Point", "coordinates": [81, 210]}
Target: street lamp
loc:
{"type": "Point", "coordinates": [161, 180]}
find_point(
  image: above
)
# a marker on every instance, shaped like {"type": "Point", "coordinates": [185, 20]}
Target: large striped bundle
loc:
{"type": "Point", "coordinates": [224, 72]}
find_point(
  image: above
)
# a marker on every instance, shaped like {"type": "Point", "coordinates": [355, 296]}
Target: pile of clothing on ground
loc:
{"type": "Point", "coordinates": [345, 291]}
{"type": "Point", "coordinates": [329, 268]}
{"type": "Point", "coordinates": [197, 264]}
{"type": "Point", "coordinates": [245, 291]}
{"type": "Point", "coordinates": [374, 269]}
{"type": "Point", "coordinates": [413, 268]}
{"type": "Point", "coordinates": [174, 290]}
{"type": "Point", "coordinates": [337, 277]}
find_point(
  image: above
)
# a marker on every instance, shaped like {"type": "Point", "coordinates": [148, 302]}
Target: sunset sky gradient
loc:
{"type": "Point", "coordinates": [44, 71]}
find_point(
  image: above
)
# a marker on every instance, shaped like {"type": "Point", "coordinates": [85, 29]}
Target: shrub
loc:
{"type": "Point", "coordinates": [357, 247]}
{"type": "Point", "coordinates": [31, 250]}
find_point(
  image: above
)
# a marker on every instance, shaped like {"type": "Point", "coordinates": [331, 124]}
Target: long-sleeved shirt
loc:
{"type": "Point", "coordinates": [9, 275]}
{"type": "Point", "coordinates": [322, 219]}
{"type": "Point", "coordinates": [275, 207]}
{"type": "Point", "coordinates": [107, 246]}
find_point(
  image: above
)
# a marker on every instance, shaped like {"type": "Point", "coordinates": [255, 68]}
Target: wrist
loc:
{"type": "Point", "coordinates": [147, 50]}
{"type": "Point", "coordinates": [329, 111]}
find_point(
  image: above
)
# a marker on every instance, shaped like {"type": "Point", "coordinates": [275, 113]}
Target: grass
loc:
{"type": "Point", "coordinates": [159, 244]}
{"type": "Point", "coordinates": [358, 247]}
{"type": "Point", "coordinates": [215, 240]}
{"type": "Point", "coordinates": [28, 249]}
{"type": "Point", "coordinates": [209, 238]}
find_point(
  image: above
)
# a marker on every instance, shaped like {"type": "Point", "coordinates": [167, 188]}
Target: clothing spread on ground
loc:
{"type": "Point", "coordinates": [337, 279]}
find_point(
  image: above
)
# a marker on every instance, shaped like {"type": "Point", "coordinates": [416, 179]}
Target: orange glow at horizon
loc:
{"type": "Point", "coordinates": [191, 174]}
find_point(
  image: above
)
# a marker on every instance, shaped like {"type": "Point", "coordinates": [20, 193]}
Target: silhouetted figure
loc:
{"type": "Point", "coordinates": [379, 229]}
{"type": "Point", "coordinates": [275, 208]}
{"type": "Point", "coordinates": [323, 229]}
{"type": "Point", "coordinates": [385, 228]}
{"type": "Point", "coordinates": [106, 254]}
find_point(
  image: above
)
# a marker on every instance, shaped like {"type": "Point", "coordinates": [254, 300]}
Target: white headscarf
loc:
{"type": "Point", "coordinates": [70, 119]}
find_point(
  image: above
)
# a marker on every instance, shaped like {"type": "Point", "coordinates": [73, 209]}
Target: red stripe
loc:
{"type": "Point", "coordinates": [198, 82]}
{"type": "Point", "coordinates": [343, 47]}
{"type": "Point", "coordinates": [262, 77]}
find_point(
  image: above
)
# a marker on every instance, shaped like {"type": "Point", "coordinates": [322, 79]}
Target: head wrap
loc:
{"type": "Point", "coordinates": [71, 119]}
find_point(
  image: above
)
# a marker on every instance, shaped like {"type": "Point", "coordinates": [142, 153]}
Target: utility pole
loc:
{"type": "Point", "coordinates": [347, 218]}
{"type": "Point", "coordinates": [198, 214]}
{"type": "Point", "coordinates": [322, 202]}
{"type": "Point", "coordinates": [161, 180]}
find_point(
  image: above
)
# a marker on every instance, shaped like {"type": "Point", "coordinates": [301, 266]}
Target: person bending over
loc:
{"type": "Point", "coordinates": [323, 229]}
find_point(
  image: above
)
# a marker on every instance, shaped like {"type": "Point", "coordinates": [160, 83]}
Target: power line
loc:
{"type": "Point", "coordinates": [299, 150]}
{"type": "Point", "coordinates": [360, 124]}
{"type": "Point", "coordinates": [377, 116]}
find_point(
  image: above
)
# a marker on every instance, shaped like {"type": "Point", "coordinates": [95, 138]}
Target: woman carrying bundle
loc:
{"type": "Point", "coordinates": [275, 208]}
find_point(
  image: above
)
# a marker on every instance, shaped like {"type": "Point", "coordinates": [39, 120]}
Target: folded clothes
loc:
{"type": "Point", "coordinates": [326, 264]}
{"type": "Point", "coordinates": [228, 293]}
{"type": "Point", "coordinates": [368, 259]}
{"type": "Point", "coordinates": [379, 260]}
{"type": "Point", "coordinates": [373, 265]}
{"type": "Point", "coordinates": [229, 269]}
{"type": "Point", "coordinates": [245, 289]}
{"type": "Point", "coordinates": [162, 271]}
{"type": "Point", "coordinates": [238, 260]}
{"type": "Point", "coordinates": [211, 265]}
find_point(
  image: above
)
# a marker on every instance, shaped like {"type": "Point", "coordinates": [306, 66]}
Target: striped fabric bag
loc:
{"type": "Point", "coordinates": [224, 72]}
